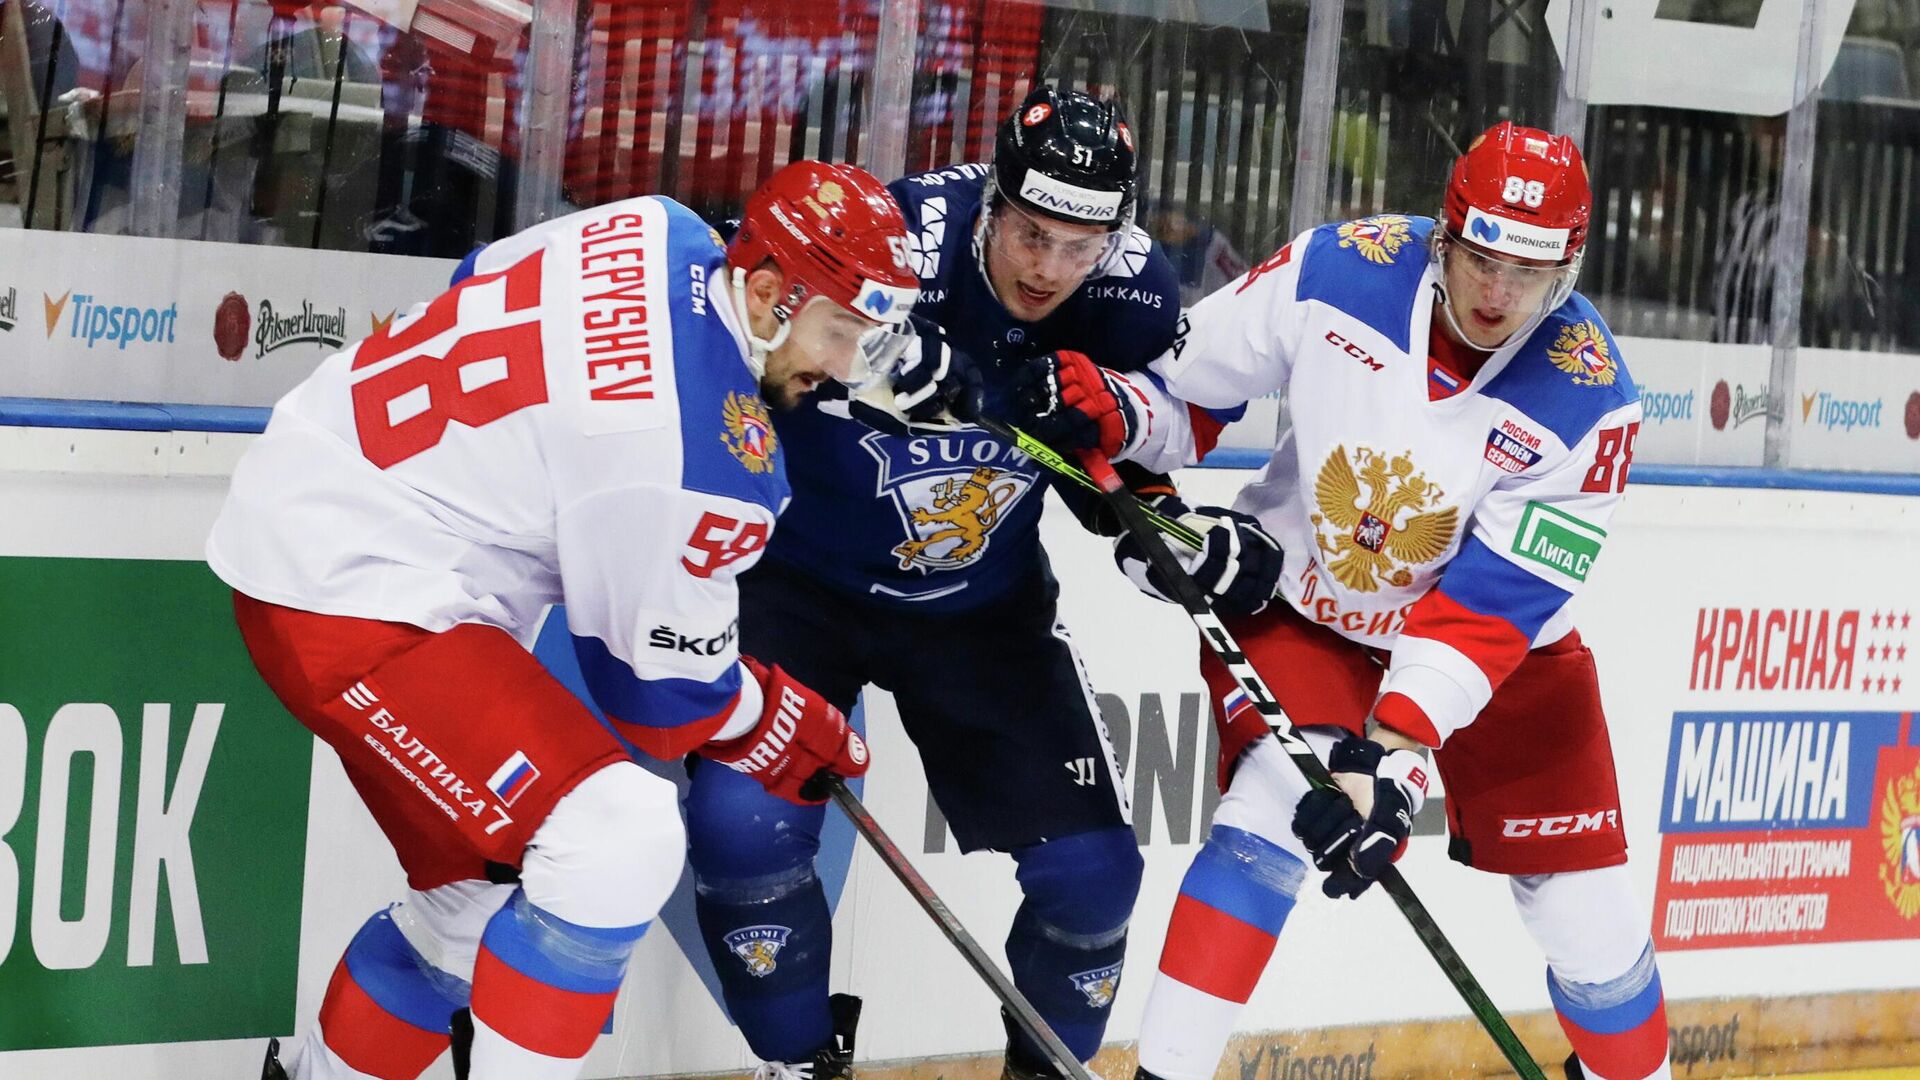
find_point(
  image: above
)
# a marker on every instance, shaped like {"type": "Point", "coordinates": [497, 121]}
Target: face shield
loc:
{"type": "Point", "coordinates": [1532, 288]}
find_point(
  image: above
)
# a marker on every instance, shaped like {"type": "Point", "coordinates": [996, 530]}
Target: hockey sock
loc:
{"type": "Point", "coordinates": [1619, 1027]}
{"type": "Point", "coordinates": [542, 989]}
{"type": "Point", "coordinates": [1070, 934]}
{"type": "Point", "coordinates": [383, 1015]}
{"type": "Point", "coordinates": [1232, 906]}
{"type": "Point", "coordinates": [770, 939]}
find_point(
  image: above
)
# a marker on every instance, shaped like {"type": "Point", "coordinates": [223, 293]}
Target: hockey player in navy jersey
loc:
{"type": "Point", "coordinates": [911, 560]}
{"type": "Point", "coordinates": [1462, 430]}
{"type": "Point", "coordinates": [582, 419]}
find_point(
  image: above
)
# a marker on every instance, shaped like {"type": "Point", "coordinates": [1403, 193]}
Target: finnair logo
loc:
{"type": "Point", "coordinates": [879, 303]}
{"type": "Point", "coordinates": [1072, 200]}
{"type": "Point", "coordinates": [1511, 237]}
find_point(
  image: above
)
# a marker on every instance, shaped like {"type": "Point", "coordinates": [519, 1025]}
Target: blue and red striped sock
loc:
{"type": "Point", "coordinates": [1618, 1028]}
{"type": "Point", "coordinates": [543, 988]}
{"type": "Point", "coordinates": [1232, 906]}
{"type": "Point", "coordinates": [383, 1015]}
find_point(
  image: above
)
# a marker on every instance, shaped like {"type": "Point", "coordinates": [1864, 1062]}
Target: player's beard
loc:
{"type": "Point", "coordinates": [779, 393]}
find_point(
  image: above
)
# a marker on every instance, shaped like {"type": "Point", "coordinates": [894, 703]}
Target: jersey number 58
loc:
{"type": "Point", "coordinates": [484, 375]}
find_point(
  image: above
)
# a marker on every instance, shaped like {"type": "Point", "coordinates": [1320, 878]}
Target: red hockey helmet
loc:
{"type": "Point", "coordinates": [834, 231]}
{"type": "Point", "coordinates": [1521, 192]}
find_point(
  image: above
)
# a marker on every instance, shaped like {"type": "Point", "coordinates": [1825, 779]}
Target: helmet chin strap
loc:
{"type": "Point", "coordinates": [757, 348]}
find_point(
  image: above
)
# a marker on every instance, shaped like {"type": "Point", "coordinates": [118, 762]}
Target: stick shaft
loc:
{"type": "Point", "coordinates": [1214, 633]}
{"type": "Point", "coordinates": [1010, 996]}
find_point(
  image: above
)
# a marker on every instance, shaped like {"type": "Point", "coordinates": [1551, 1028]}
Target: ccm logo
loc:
{"type": "Point", "coordinates": [1353, 350]}
{"type": "Point", "coordinates": [1528, 828]}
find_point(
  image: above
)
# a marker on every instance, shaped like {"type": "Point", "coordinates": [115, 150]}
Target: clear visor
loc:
{"type": "Point", "coordinates": [1530, 288]}
{"type": "Point", "coordinates": [881, 350]}
{"type": "Point", "coordinates": [1030, 239]}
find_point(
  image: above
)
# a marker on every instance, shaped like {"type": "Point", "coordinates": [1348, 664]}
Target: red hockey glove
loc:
{"type": "Point", "coordinates": [1070, 403]}
{"type": "Point", "coordinates": [799, 737]}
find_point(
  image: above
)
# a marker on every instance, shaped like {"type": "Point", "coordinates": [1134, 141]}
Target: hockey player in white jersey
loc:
{"type": "Point", "coordinates": [584, 419]}
{"type": "Point", "coordinates": [1462, 427]}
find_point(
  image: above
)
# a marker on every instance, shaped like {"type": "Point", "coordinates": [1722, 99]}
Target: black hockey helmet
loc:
{"type": "Point", "coordinates": [1069, 156]}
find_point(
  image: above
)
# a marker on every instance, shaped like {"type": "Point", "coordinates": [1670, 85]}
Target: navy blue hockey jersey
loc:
{"type": "Point", "coordinates": [948, 522]}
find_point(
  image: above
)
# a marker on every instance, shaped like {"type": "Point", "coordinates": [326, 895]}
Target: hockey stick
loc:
{"type": "Point", "coordinates": [1016, 1003]}
{"type": "Point", "coordinates": [1214, 633]}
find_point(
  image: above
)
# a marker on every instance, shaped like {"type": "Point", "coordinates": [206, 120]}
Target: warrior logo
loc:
{"type": "Point", "coordinates": [1363, 543]}
{"type": "Point", "coordinates": [749, 435]}
{"type": "Point", "coordinates": [1377, 239]}
{"type": "Point", "coordinates": [1900, 838]}
{"type": "Point", "coordinates": [1581, 351]}
{"type": "Point", "coordinates": [758, 947]}
{"type": "Point", "coordinates": [950, 492]}
{"type": "Point", "coordinates": [1098, 984]}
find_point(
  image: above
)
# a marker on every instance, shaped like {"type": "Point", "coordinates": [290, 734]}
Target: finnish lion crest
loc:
{"type": "Point", "coordinates": [1377, 239]}
{"type": "Point", "coordinates": [954, 530]}
{"type": "Point", "coordinates": [758, 947]}
{"type": "Point", "coordinates": [1099, 985]}
{"type": "Point", "coordinates": [1581, 351]}
{"type": "Point", "coordinates": [749, 432]}
{"type": "Point", "coordinates": [1399, 524]}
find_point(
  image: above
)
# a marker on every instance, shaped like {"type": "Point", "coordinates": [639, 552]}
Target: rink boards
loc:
{"type": "Point", "coordinates": [182, 865]}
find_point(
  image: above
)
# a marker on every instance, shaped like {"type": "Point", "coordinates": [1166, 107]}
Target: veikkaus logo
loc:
{"type": "Point", "coordinates": [1660, 406]}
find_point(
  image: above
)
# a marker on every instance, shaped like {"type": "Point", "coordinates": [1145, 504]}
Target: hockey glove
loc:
{"type": "Point", "coordinates": [933, 388]}
{"type": "Point", "coordinates": [799, 737]}
{"type": "Point", "coordinates": [1353, 849]}
{"type": "Point", "coordinates": [1070, 403]}
{"type": "Point", "coordinates": [1238, 565]}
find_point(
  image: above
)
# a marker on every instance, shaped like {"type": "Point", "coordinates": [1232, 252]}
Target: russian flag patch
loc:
{"type": "Point", "coordinates": [1441, 383]}
{"type": "Point", "coordinates": [513, 778]}
{"type": "Point", "coordinates": [1236, 703]}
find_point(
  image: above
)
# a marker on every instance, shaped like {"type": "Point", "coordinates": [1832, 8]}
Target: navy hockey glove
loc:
{"type": "Point", "coordinates": [932, 387]}
{"type": "Point", "coordinates": [1070, 403]}
{"type": "Point", "coordinates": [1356, 850]}
{"type": "Point", "coordinates": [1237, 567]}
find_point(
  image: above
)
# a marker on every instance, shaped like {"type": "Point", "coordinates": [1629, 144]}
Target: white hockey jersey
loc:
{"type": "Point", "coordinates": [1451, 532]}
{"type": "Point", "coordinates": [575, 422]}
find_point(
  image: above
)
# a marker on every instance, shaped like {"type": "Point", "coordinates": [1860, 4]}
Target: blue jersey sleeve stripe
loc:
{"type": "Point", "coordinates": [1483, 582]}
{"type": "Point", "coordinates": [1533, 384]}
{"type": "Point", "coordinates": [653, 703]}
{"type": "Point", "coordinates": [1382, 295]}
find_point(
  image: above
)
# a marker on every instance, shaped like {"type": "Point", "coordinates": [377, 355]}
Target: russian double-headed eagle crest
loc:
{"type": "Point", "coordinates": [1900, 840]}
{"type": "Point", "coordinates": [1376, 522]}
{"type": "Point", "coordinates": [749, 431]}
{"type": "Point", "coordinates": [1377, 239]}
{"type": "Point", "coordinates": [1581, 351]}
